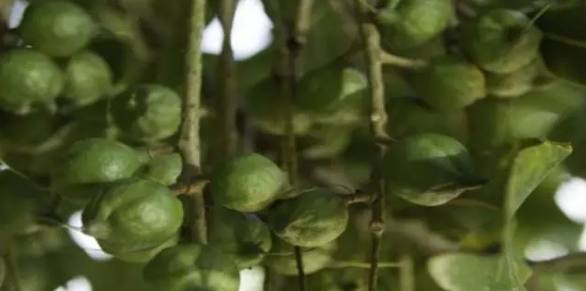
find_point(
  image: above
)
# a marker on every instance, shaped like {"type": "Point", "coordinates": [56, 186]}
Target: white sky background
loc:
{"type": "Point", "coordinates": [251, 33]}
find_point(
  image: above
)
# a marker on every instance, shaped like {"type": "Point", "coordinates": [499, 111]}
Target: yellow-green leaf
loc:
{"type": "Point", "coordinates": [468, 272]}
{"type": "Point", "coordinates": [529, 169]}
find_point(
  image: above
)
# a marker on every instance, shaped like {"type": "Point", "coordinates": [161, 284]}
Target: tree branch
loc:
{"type": "Point", "coordinates": [295, 44]}
{"type": "Point", "coordinates": [228, 103]}
{"type": "Point", "coordinates": [363, 265]}
{"type": "Point", "coordinates": [5, 11]}
{"type": "Point", "coordinates": [378, 119]}
{"type": "Point", "coordinates": [189, 144]}
{"type": "Point", "coordinates": [390, 59]}
{"type": "Point", "coordinates": [12, 265]}
{"type": "Point", "coordinates": [559, 264]}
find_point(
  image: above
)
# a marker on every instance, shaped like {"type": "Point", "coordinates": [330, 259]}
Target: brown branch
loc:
{"type": "Point", "coordinates": [358, 198]}
{"type": "Point", "coordinates": [189, 143]}
{"type": "Point", "coordinates": [195, 187]}
{"type": "Point", "coordinates": [5, 11]}
{"type": "Point", "coordinates": [295, 44]}
{"type": "Point", "coordinates": [228, 102]}
{"type": "Point", "coordinates": [12, 266]}
{"type": "Point", "coordinates": [559, 264]}
{"type": "Point", "coordinates": [397, 61]}
{"type": "Point", "coordinates": [378, 119]}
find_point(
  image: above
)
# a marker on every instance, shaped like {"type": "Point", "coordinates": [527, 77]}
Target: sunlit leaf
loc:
{"type": "Point", "coordinates": [468, 272]}
{"type": "Point", "coordinates": [529, 168]}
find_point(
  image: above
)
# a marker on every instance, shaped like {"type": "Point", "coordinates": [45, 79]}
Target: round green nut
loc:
{"type": "Point", "coordinates": [90, 163]}
{"type": "Point", "coordinates": [164, 169]}
{"type": "Point", "coordinates": [331, 280]}
{"type": "Point", "coordinates": [136, 255]}
{"type": "Point", "coordinates": [24, 133]}
{"type": "Point", "coordinates": [243, 236]}
{"type": "Point", "coordinates": [414, 22]}
{"type": "Point", "coordinates": [2, 271]}
{"type": "Point", "coordinates": [429, 169]}
{"type": "Point", "coordinates": [281, 259]}
{"type": "Point", "coordinates": [247, 183]}
{"type": "Point", "coordinates": [501, 40]}
{"type": "Point", "coordinates": [133, 215]}
{"type": "Point", "coordinates": [28, 77]}
{"type": "Point", "coordinates": [448, 83]}
{"type": "Point", "coordinates": [320, 88]}
{"type": "Point", "coordinates": [147, 112]}
{"type": "Point", "coordinates": [57, 28]}
{"type": "Point", "coordinates": [266, 108]}
{"type": "Point", "coordinates": [192, 267]}
{"type": "Point", "coordinates": [513, 84]}
{"type": "Point", "coordinates": [311, 219]}
{"type": "Point", "coordinates": [88, 78]}
{"type": "Point", "coordinates": [17, 202]}
{"type": "Point", "coordinates": [408, 116]}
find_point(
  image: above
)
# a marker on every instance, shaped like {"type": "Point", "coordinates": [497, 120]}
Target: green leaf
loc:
{"type": "Point", "coordinates": [468, 272]}
{"type": "Point", "coordinates": [529, 169]}
{"type": "Point", "coordinates": [564, 44]}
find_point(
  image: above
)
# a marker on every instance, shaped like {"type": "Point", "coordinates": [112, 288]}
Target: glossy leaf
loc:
{"type": "Point", "coordinates": [529, 168]}
{"type": "Point", "coordinates": [467, 272]}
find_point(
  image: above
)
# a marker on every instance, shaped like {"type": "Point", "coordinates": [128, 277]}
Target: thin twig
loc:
{"type": "Point", "coordinates": [390, 59]}
{"type": "Point", "coordinates": [358, 198]}
{"type": "Point", "coordinates": [300, 271]}
{"type": "Point", "coordinates": [196, 187]}
{"type": "Point", "coordinates": [267, 284]}
{"type": "Point", "coordinates": [5, 11]}
{"type": "Point", "coordinates": [560, 264]}
{"type": "Point", "coordinates": [12, 266]}
{"type": "Point", "coordinates": [228, 103]}
{"type": "Point", "coordinates": [291, 38]}
{"type": "Point", "coordinates": [295, 44]}
{"type": "Point", "coordinates": [189, 143]}
{"type": "Point", "coordinates": [378, 119]}
{"type": "Point", "coordinates": [406, 272]}
{"type": "Point", "coordinates": [363, 265]}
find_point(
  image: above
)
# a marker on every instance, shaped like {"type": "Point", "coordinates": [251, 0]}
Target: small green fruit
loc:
{"type": "Point", "coordinates": [57, 28]}
{"type": "Point", "coordinates": [325, 142]}
{"type": "Point", "coordinates": [247, 183]}
{"type": "Point", "coordinates": [164, 169]}
{"type": "Point", "coordinates": [562, 52]}
{"type": "Point", "coordinates": [266, 107]}
{"type": "Point", "coordinates": [147, 113]}
{"type": "Point", "coordinates": [448, 83]}
{"type": "Point", "coordinates": [311, 219]}
{"type": "Point", "coordinates": [192, 267]}
{"type": "Point", "coordinates": [348, 106]}
{"type": "Point", "coordinates": [17, 202]}
{"type": "Point", "coordinates": [133, 215]}
{"type": "Point", "coordinates": [136, 255]}
{"type": "Point", "coordinates": [2, 271]}
{"type": "Point", "coordinates": [428, 169]}
{"type": "Point", "coordinates": [319, 88]}
{"type": "Point", "coordinates": [244, 236]}
{"type": "Point", "coordinates": [281, 259]}
{"type": "Point", "coordinates": [28, 77]}
{"type": "Point", "coordinates": [501, 40]}
{"type": "Point", "coordinates": [513, 84]}
{"type": "Point", "coordinates": [533, 115]}
{"type": "Point", "coordinates": [433, 48]}
{"type": "Point", "coordinates": [88, 78]}
{"type": "Point", "coordinates": [24, 133]}
{"type": "Point", "coordinates": [90, 163]}
{"type": "Point", "coordinates": [326, 90]}
{"type": "Point", "coordinates": [408, 116]}
{"type": "Point", "coordinates": [415, 22]}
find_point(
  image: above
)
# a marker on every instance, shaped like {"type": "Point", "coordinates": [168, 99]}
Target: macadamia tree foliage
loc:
{"type": "Point", "coordinates": [373, 145]}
